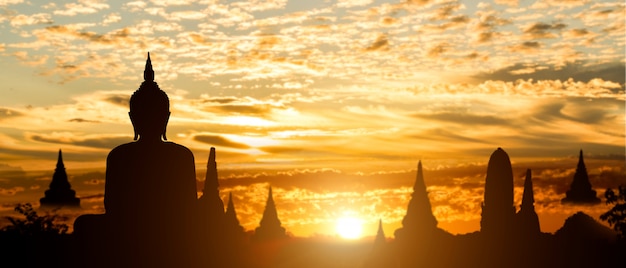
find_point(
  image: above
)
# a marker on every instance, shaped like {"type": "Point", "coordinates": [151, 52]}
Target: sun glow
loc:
{"type": "Point", "coordinates": [349, 227]}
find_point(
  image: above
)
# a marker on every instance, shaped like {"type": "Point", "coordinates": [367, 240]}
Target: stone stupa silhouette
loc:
{"type": "Point", "coordinates": [210, 204]}
{"type": "Point", "coordinates": [498, 211]}
{"type": "Point", "coordinates": [527, 218]}
{"type": "Point", "coordinates": [60, 193]}
{"type": "Point", "coordinates": [580, 191]}
{"type": "Point", "coordinates": [419, 220]}
{"type": "Point", "coordinates": [231, 222]}
{"type": "Point", "coordinates": [270, 227]}
{"type": "Point", "coordinates": [380, 239]}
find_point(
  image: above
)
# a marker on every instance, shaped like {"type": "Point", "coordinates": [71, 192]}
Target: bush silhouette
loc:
{"type": "Point", "coordinates": [33, 224]}
{"type": "Point", "coordinates": [616, 216]}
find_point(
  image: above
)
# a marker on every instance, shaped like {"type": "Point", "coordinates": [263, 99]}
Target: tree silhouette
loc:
{"type": "Point", "coordinates": [34, 224]}
{"type": "Point", "coordinates": [616, 216]}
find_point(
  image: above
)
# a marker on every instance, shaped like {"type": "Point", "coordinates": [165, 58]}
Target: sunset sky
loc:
{"type": "Point", "coordinates": [331, 102]}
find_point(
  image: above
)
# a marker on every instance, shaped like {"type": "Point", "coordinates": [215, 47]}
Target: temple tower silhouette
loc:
{"type": "Point", "coordinates": [498, 211]}
{"type": "Point", "coordinates": [231, 223]}
{"type": "Point", "coordinates": [580, 190]}
{"type": "Point", "coordinates": [419, 219]}
{"type": "Point", "coordinates": [212, 217]}
{"type": "Point", "coordinates": [270, 227]}
{"type": "Point", "coordinates": [380, 239]}
{"type": "Point", "coordinates": [210, 202]}
{"type": "Point", "coordinates": [60, 192]}
{"type": "Point", "coordinates": [527, 218]}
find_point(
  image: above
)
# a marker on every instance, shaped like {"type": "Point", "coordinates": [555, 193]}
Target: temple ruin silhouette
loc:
{"type": "Point", "coordinates": [231, 222]}
{"type": "Point", "coordinates": [419, 221]}
{"type": "Point", "coordinates": [270, 227]}
{"type": "Point", "coordinates": [498, 211]}
{"type": "Point", "coordinates": [380, 239]}
{"type": "Point", "coordinates": [580, 191]}
{"type": "Point", "coordinates": [60, 193]}
{"type": "Point", "coordinates": [526, 218]}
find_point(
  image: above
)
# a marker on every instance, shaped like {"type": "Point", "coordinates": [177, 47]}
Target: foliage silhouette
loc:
{"type": "Point", "coordinates": [35, 240]}
{"type": "Point", "coordinates": [616, 216]}
{"type": "Point", "coordinates": [34, 224]}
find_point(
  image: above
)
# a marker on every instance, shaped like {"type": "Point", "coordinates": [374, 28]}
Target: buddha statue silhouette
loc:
{"type": "Point", "coordinates": [150, 191]}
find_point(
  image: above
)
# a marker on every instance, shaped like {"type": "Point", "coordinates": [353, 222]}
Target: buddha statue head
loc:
{"type": "Point", "coordinates": [149, 107]}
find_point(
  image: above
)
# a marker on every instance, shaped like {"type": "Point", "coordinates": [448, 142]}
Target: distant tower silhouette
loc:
{"type": "Point", "coordinates": [419, 218]}
{"type": "Point", "coordinates": [527, 218]}
{"type": "Point", "coordinates": [231, 222]}
{"type": "Point", "coordinates": [380, 235]}
{"type": "Point", "coordinates": [60, 192]}
{"type": "Point", "coordinates": [270, 227]}
{"type": "Point", "coordinates": [210, 202]}
{"type": "Point", "coordinates": [211, 215]}
{"type": "Point", "coordinates": [498, 211]}
{"type": "Point", "coordinates": [580, 190]}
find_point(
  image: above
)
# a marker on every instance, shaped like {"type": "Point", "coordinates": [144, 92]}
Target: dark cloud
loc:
{"type": "Point", "coordinates": [587, 114]}
{"type": "Point", "coordinates": [579, 71]}
{"type": "Point", "coordinates": [219, 141]}
{"type": "Point", "coordinates": [8, 172]}
{"type": "Point", "coordinates": [437, 50]}
{"type": "Point", "coordinates": [121, 100]}
{"type": "Point", "coordinates": [244, 109]}
{"type": "Point", "coordinates": [486, 27]}
{"type": "Point", "coordinates": [465, 118]}
{"type": "Point", "coordinates": [444, 135]}
{"type": "Point", "coordinates": [282, 149]}
{"type": "Point", "coordinates": [528, 46]}
{"type": "Point", "coordinates": [542, 30]}
{"type": "Point", "coordinates": [6, 113]}
{"type": "Point", "coordinates": [221, 100]}
{"type": "Point", "coordinates": [102, 142]}
{"type": "Point", "coordinates": [48, 155]}
{"type": "Point", "coordinates": [117, 37]}
{"type": "Point", "coordinates": [418, 2]}
{"type": "Point", "coordinates": [82, 120]}
{"type": "Point", "coordinates": [381, 43]}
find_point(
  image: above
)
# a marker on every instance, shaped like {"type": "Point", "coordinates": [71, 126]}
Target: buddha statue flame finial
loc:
{"type": "Point", "coordinates": [148, 73]}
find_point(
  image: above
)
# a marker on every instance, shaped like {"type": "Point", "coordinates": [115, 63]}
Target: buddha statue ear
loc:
{"type": "Point", "coordinates": [167, 118]}
{"type": "Point", "coordinates": [134, 126]}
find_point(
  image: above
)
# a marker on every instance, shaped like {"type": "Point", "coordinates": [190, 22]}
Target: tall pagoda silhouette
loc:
{"type": "Point", "coordinates": [60, 193]}
{"type": "Point", "coordinates": [527, 218]}
{"type": "Point", "coordinates": [231, 223]}
{"type": "Point", "coordinates": [418, 241]}
{"type": "Point", "coordinates": [211, 217]}
{"type": "Point", "coordinates": [380, 239]}
{"type": "Point", "coordinates": [419, 219]}
{"type": "Point", "coordinates": [270, 227]}
{"type": "Point", "coordinates": [210, 202]}
{"type": "Point", "coordinates": [580, 191]}
{"type": "Point", "coordinates": [498, 211]}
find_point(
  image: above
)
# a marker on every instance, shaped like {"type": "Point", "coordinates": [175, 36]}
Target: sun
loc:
{"type": "Point", "coordinates": [349, 227]}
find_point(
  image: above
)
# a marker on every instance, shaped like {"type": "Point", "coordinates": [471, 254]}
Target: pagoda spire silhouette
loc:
{"type": "Point", "coordinates": [580, 190]}
{"type": "Point", "coordinates": [498, 211]}
{"type": "Point", "coordinates": [210, 201]}
{"type": "Point", "coordinates": [231, 222]}
{"type": "Point", "coordinates": [270, 227]}
{"type": "Point", "coordinates": [419, 218]}
{"type": "Point", "coordinates": [60, 192]}
{"type": "Point", "coordinates": [380, 239]}
{"type": "Point", "coordinates": [211, 215]}
{"type": "Point", "coordinates": [527, 218]}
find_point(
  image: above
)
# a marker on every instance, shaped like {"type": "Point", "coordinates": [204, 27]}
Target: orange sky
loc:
{"type": "Point", "coordinates": [330, 102]}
